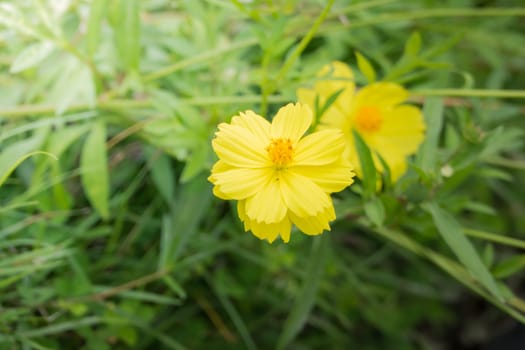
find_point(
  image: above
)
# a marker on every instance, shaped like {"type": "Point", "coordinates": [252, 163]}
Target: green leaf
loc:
{"type": "Point", "coordinates": [488, 255]}
{"type": "Point", "coordinates": [75, 84]}
{"type": "Point", "coordinates": [365, 67]}
{"type": "Point", "coordinates": [127, 30]}
{"type": "Point", "coordinates": [191, 205]}
{"type": "Point", "coordinates": [509, 266]}
{"type": "Point", "coordinates": [386, 174]}
{"type": "Point", "coordinates": [11, 17]}
{"type": "Point", "coordinates": [196, 162]}
{"type": "Point", "coordinates": [14, 154]}
{"type": "Point", "coordinates": [60, 140]}
{"type": "Point", "coordinates": [162, 174]}
{"type": "Point", "coordinates": [31, 56]}
{"type": "Point", "coordinates": [367, 165]}
{"type": "Point", "coordinates": [94, 169]}
{"type": "Point", "coordinates": [375, 211]}
{"type": "Point", "coordinates": [305, 300]}
{"type": "Point", "coordinates": [426, 158]}
{"type": "Point", "coordinates": [6, 170]}
{"type": "Point", "coordinates": [453, 235]}
{"type": "Point", "coordinates": [96, 15]}
{"type": "Point", "coordinates": [413, 45]}
{"type": "Point", "coordinates": [320, 110]}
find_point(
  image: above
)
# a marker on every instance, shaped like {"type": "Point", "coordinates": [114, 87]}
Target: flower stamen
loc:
{"type": "Point", "coordinates": [369, 119]}
{"type": "Point", "coordinates": [280, 151]}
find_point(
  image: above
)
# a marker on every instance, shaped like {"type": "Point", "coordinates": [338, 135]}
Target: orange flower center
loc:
{"type": "Point", "coordinates": [280, 151]}
{"type": "Point", "coordinates": [369, 119]}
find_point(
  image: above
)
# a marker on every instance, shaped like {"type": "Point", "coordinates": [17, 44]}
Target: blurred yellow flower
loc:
{"type": "Point", "coordinates": [389, 127]}
{"type": "Point", "coordinates": [278, 176]}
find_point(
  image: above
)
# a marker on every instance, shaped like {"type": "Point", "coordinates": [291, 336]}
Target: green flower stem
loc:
{"type": "Point", "coordinates": [495, 238]}
{"type": "Point", "coordinates": [304, 42]}
{"type": "Point", "coordinates": [426, 13]}
{"type": "Point", "coordinates": [46, 110]}
{"type": "Point", "coordinates": [198, 59]}
{"type": "Point", "coordinates": [513, 306]}
{"type": "Point", "coordinates": [61, 327]}
{"type": "Point", "coordinates": [362, 6]}
{"type": "Point", "coordinates": [509, 163]}
{"type": "Point", "coordinates": [471, 93]}
{"type": "Point", "coordinates": [267, 86]}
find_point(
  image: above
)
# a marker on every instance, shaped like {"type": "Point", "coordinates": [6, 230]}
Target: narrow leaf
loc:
{"type": "Point", "coordinates": [12, 155]}
{"type": "Point", "coordinates": [128, 33]}
{"type": "Point", "coordinates": [96, 15]}
{"type": "Point", "coordinates": [365, 67]}
{"type": "Point", "coordinates": [413, 44]}
{"type": "Point", "coordinates": [367, 165]}
{"type": "Point", "coordinates": [196, 162]}
{"type": "Point", "coordinates": [509, 266]}
{"type": "Point", "coordinates": [6, 170]}
{"type": "Point", "coordinates": [192, 203]}
{"type": "Point", "coordinates": [94, 169]}
{"type": "Point", "coordinates": [453, 235]}
{"type": "Point", "coordinates": [162, 174]}
{"type": "Point", "coordinates": [433, 114]}
{"type": "Point", "coordinates": [375, 211]}
{"type": "Point", "coordinates": [31, 56]}
{"type": "Point", "coordinates": [305, 300]}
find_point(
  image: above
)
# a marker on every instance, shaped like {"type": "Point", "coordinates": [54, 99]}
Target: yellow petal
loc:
{"type": "Point", "coordinates": [240, 183]}
{"type": "Point", "coordinates": [314, 225]}
{"type": "Point", "coordinates": [307, 96]}
{"type": "Point", "coordinates": [256, 124]}
{"type": "Point", "coordinates": [403, 127]}
{"type": "Point", "coordinates": [301, 195]}
{"type": "Point", "coordinates": [319, 148]}
{"type": "Point", "coordinates": [270, 232]}
{"type": "Point", "coordinates": [291, 122]}
{"type": "Point", "coordinates": [241, 211]}
{"type": "Point", "coordinates": [399, 137]}
{"type": "Point", "coordinates": [239, 147]}
{"type": "Point", "coordinates": [335, 77]}
{"type": "Point", "coordinates": [330, 178]}
{"type": "Point", "coordinates": [261, 230]}
{"type": "Point", "coordinates": [335, 117]}
{"type": "Point", "coordinates": [397, 169]}
{"type": "Point", "coordinates": [267, 205]}
{"type": "Point", "coordinates": [382, 94]}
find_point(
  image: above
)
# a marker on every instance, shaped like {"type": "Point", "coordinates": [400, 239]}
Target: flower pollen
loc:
{"type": "Point", "coordinates": [369, 119]}
{"type": "Point", "coordinates": [280, 151]}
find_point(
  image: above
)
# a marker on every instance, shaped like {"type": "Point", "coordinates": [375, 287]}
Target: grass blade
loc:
{"type": "Point", "coordinates": [453, 235]}
{"type": "Point", "coordinates": [306, 299]}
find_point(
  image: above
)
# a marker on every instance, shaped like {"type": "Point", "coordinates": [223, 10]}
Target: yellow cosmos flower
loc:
{"type": "Point", "coordinates": [389, 127]}
{"type": "Point", "coordinates": [278, 176]}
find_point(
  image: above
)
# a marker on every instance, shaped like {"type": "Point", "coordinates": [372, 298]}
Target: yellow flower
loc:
{"type": "Point", "coordinates": [278, 176]}
{"type": "Point", "coordinates": [389, 127]}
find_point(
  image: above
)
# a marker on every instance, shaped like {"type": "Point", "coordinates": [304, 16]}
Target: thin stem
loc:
{"type": "Point", "coordinates": [495, 238]}
{"type": "Point", "coordinates": [435, 13]}
{"type": "Point", "coordinates": [454, 269]}
{"type": "Point", "coordinates": [44, 110]}
{"type": "Point", "coordinates": [364, 5]}
{"type": "Point", "coordinates": [304, 42]}
{"type": "Point", "coordinates": [198, 59]}
{"type": "Point", "coordinates": [509, 163]}
{"type": "Point", "coordinates": [120, 288]}
{"type": "Point", "coordinates": [471, 93]}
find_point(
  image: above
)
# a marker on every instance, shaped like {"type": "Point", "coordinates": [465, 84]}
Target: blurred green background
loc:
{"type": "Point", "coordinates": [110, 237]}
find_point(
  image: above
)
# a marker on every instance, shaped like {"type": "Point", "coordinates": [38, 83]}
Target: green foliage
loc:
{"type": "Point", "coordinates": [110, 237]}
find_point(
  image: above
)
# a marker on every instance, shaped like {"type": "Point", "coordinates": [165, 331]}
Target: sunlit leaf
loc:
{"type": "Point", "coordinates": [453, 235]}
{"type": "Point", "coordinates": [31, 56]}
{"type": "Point", "coordinates": [94, 169]}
